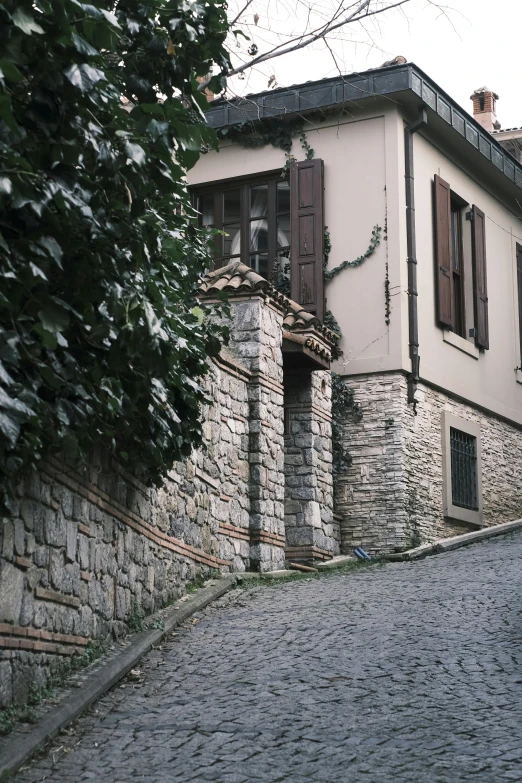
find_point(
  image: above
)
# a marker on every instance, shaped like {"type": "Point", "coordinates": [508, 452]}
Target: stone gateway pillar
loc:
{"type": "Point", "coordinates": [290, 484]}
{"type": "Point", "coordinates": [311, 534]}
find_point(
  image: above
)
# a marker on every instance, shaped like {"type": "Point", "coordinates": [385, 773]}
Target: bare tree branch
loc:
{"type": "Point", "coordinates": [361, 13]}
{"type": "Point", "coordinates": [233, 22]}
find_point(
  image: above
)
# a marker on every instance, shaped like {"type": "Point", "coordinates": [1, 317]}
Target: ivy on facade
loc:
{"type": "Point", "coordinates": [263, 132]}
{"type": "Point", "coordinates": [374, 244]}
{"type": "Point", "coordinates": [343, 404]}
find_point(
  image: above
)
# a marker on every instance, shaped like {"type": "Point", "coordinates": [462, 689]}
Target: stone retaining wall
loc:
{"type": "Point", "coordinates": [391, 498]}
{"type": "Point", "coordinates": [92, 546]}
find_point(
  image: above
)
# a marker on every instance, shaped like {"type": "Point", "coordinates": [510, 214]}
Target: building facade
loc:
{"type": "Point", "coordinates": [416, 208]}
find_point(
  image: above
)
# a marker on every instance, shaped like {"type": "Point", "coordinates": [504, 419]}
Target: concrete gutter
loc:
{"type": "Point", "coordinates": [95, 685]}
{"type": "Point", "coordinates": [448, 544]}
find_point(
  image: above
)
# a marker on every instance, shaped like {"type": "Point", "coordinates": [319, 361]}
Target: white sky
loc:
{"type": "Point", "coordinates": [475, 43]}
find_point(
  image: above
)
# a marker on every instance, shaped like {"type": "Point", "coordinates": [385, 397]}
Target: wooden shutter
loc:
{"type": "Point", "coordinates": [519, 291]}
{"type": "Point", "coordinates": [480, 283]}
{"type": "Point", "coordinates": [307, 244]}
{"type": "Point", "coordinates": [443, 272]}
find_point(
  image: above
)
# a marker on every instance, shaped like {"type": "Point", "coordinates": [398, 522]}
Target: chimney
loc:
{"type": "Point", "coordinates": [485, 108]}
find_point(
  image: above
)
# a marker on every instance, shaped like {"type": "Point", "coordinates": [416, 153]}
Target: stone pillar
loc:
{"type": "Point", "coordinates": [311, 532]}
{"type": "Point", "coordinates": [256, 337]}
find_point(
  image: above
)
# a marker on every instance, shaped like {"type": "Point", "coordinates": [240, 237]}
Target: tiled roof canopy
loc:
{"type": "Point", "coordinates": [237, 279]}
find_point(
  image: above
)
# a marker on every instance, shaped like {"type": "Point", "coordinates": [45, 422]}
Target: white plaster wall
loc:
{"type": "Point", "coordinates": [489, 380]}
{"type": "Point", "coordinates": [364, 186]}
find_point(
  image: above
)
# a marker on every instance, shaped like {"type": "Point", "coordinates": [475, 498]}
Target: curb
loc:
{"type": "Point", "coordinates": [95, 685]}
{"type": "Point", "coordinates": [456, 542]}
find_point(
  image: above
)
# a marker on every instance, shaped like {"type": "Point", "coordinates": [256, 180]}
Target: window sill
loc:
{"type": "Point", "coordinates": [461, 343]}
{"type": "Point", "coordinates": [464, 516]}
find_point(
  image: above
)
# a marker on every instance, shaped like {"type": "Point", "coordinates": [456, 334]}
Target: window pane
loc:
{"type": "Point", "coordinates": [259, 235]}
{"type": "Point", "coordinates": [283, 196]}
{"type": "Point", "coordinates": [259, 262]}
{"type": "Point", "coordinates": [258, 201]}
{"type": "Point", "coordinates": [464, 485]}
{"type": "Point", "coordinates": [232, 240]}
{"type": "Point", "coordinates": [283, 231]}
{"type": "Point", "coordinates": [281, 271]}
{"type": "Point", "coordinates": [455, 239]}
{"type": "Point", "coordinates": [231, 206]}
{"type": "Point", "coordinates": [206, 209]}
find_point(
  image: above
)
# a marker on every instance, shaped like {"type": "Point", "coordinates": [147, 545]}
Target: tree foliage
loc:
{"type": "Point", "coordinates": [101, 338]}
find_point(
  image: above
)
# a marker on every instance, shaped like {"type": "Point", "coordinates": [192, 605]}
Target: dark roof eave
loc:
{"type": "Point", "coordinates": [375, 83]}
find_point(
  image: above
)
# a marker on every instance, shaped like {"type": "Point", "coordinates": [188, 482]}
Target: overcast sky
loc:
{"type": "Point", "coordinates": [477, 43]}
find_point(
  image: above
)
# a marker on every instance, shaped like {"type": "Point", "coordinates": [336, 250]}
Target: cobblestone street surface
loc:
{"type": "Point", "coordinates": [405, 672]}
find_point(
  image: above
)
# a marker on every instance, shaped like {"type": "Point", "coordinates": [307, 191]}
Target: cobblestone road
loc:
{"type": "Point", "coordinates": [406, 672]}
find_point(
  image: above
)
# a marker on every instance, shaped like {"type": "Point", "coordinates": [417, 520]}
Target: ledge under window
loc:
{"type": "Point", "coordinates": [461, 343]}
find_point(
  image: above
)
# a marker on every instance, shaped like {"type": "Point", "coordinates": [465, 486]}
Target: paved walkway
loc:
{"type": "Point", "coordinates": [405, 672]}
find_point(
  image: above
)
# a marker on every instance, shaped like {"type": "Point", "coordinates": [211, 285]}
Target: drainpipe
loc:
{"type": "Point", "coordinates": [411, 244]}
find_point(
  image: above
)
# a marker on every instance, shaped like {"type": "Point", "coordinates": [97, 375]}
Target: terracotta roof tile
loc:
{"type": "Point", "coordinates": [236, 277]}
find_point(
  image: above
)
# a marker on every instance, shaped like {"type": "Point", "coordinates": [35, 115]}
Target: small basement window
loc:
{"type": "Point", "coordinates": [461, 469]}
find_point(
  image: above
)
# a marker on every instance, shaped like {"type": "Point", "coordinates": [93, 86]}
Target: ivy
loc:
{"type": "Point", "coordinates": [343, 404]}
{"type": "Point", "coordinates": [309, 152]}
{"type": "Point", "coordinates": [102, 340]}
{"type": "Point", "coordinates": [263, 132]}
{"type": "Point", "coordinates": [374, 244]}
{"type": "Point", "coordinates": [254, 135]}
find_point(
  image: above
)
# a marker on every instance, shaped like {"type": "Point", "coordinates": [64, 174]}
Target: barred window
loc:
{"type": "Point", "coordinates": [464, 485]}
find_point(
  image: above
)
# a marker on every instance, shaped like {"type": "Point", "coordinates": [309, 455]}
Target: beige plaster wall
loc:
{"type": "Point", "coordinates": [364, 185]}
{"type": "Point", "coordinates": [485, 378]}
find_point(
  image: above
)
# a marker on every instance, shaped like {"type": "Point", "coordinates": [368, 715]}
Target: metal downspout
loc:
{"type": "Point", "coordinates": [411, 244]}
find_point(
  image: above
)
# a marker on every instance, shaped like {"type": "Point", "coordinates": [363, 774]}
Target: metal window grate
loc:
{"type": "Point", "coordinates": [463, 469]}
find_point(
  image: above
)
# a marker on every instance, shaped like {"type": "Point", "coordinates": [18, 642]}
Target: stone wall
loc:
{"type": "Point", "coordinates": [311, 532]}
{"type": "Point", "coordinates": [92, 546]}
{"type": "Point", "coordinates": [371, 495]}
{"type": "Point", "coordinates": [391, 497]}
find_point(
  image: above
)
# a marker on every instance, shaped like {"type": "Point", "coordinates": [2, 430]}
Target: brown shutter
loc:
{"type": "Point", "coordinates": [443, 273]}
{"type": "Point", "coordinates": [307, 245]}
{"type": "Point", "coordinates": [480, 283]}
{"type": "Point", "coordinates": [519, 289]}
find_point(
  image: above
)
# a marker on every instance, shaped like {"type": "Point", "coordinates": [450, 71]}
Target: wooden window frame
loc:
{"type": "Point", "coordinates": [220, 187]}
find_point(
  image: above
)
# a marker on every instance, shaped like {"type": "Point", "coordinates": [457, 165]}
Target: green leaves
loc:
{"type": "Point", "coordinates": [84, 76]}
{"type": "Point", "coordinates": [25, 22]}
{"type": "Point", "coordinates": [102, 340]}
{"type": "Point", "coordinates": [135, 153]}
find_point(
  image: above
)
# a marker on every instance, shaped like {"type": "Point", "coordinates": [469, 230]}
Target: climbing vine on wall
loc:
{"type": "Point", "coordinates": [343, 403]}
{"type": "Point", "coordinates": [263, 132]}
{"type": "Point", "coordinates": [374, 244]}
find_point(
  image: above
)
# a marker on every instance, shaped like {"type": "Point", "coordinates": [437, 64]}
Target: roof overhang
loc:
{"type": "Point", "coordinates": [411, 89]}
{"type": "Point", "coordinates": [304, 351]}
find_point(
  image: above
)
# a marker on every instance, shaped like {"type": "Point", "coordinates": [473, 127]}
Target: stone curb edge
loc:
{"type": "Point", "coordinates": [95, 685]}
{"type": "Point", "coordinates": [448, 544]}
